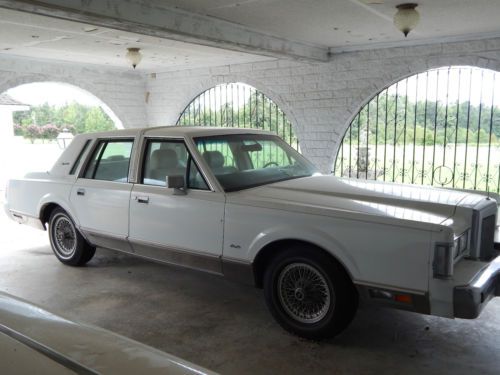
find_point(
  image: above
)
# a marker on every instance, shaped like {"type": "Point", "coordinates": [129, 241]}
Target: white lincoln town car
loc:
{"type": "Point", "coordinates": [243, 204]}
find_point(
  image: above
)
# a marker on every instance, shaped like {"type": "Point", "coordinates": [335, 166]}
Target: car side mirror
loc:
{"type": "Point", "coordinates": [177, 183]}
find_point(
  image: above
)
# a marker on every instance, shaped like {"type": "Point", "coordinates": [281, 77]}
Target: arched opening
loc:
{"type": "Point", "coordinates": [440, 127]}
{"type": "Point", "coordinates": [41, 120]}
{"type": "Point", "coordinates": [60, 94]}
{"type": "Point", "coordinates": [238, 105]}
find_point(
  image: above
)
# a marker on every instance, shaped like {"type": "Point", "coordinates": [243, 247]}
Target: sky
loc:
{"type": "Point", "coordinates": [480, 85]}
{"type": "Point", "coordinates": [54, 93]}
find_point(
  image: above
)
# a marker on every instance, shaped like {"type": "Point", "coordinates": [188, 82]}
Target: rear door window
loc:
{"type": "Point", "coordinates": [79, 158]}
{"type": "Point", "coordinates": [110, 161]}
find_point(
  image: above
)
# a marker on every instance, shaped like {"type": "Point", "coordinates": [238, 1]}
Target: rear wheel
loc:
{"type": "Point", "coordinates": [68, 244]}
{"type": "Point", "coordinates": [309, 293]}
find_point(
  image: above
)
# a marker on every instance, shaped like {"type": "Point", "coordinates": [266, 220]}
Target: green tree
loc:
{"type": "Point", "coordinates": [96, 120]}
{"type": "Point", "coordinates": [75, 114]}
{"type": "Point", "coordinates": [75, 117]}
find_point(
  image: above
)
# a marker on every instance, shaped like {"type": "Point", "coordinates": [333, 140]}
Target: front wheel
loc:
{"type": "Point", "coordinates": [68, 244]}
{"type": "Point", "coordinates": [309, 293]}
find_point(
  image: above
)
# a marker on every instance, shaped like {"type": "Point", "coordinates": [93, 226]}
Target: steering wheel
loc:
{"type": "Point", "coordinates": [270, 163]}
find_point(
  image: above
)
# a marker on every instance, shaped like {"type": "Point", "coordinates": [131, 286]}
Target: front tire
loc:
{"type": "Point", "coordinates": [309, 293]}
{"type": "Point", "coordinates": [68, 244]}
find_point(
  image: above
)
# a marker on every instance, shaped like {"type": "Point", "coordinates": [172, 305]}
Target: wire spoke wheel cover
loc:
{"type": "Point", "coordinates": [304, 293]}
{"type": "Point", "coordinates": [64, 236]}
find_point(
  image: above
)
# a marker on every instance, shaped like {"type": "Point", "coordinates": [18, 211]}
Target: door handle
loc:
{"type": "Point", "coordinates": [142, 199]}
{"type": "Point", "coordinates": [80, 192]}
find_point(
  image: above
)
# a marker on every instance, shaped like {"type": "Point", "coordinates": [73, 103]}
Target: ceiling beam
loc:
{"type": "Point", "coordinates": [155, 19]}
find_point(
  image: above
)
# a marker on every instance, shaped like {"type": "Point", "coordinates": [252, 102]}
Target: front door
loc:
{"type": "Point", "coordinates": [169, 225]}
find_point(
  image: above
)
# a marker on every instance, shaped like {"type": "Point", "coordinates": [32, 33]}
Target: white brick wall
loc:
{"type": "Point", "coordinates": [319, 99]}
{"type": "Point", "coordinates": [122, 92]}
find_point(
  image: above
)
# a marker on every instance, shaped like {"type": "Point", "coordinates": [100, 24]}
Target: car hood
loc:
{"type": "Point", "coordinates": [381, 199]}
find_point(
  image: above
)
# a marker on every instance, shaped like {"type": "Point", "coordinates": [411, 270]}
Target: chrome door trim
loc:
{"type": "Point", "coordinates": [177, 256]}
{"type": "Point", "coordinates": [106, 240]}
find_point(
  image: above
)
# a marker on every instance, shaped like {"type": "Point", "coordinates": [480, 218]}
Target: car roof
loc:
{"type": "Point", "coordinates": [179, 131]}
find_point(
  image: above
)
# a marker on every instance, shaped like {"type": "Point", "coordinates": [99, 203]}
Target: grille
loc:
{"type": "Point", "coordinates": [487, 237]}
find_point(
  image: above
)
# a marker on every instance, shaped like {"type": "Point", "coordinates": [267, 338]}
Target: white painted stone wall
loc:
{"type": "Point", "coordinates": [123, 92]}
{"type": "Point", "coordinates": [320, 99]}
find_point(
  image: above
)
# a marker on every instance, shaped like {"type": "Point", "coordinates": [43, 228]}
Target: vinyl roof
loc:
{"type": "Point", "coordinates": [179, 131]}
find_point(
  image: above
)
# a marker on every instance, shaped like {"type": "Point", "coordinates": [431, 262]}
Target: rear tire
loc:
{"type": "Point", "coordinates": [309, 293]}
{"type": "Point", "coordinates": [68, 244]}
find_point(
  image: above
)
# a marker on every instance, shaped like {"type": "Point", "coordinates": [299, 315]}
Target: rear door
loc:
{"type": "Point", "coordinates": [101, 194]}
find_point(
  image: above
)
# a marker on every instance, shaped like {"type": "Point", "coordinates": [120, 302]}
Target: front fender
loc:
{"type": "Point", "coordinates": [308, 234]}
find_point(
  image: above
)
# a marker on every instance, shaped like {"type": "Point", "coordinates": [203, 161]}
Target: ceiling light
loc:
{"type": "Point", "coordinates": [406, 18]}
{"type": "Point", "coordinates": [133, 56]}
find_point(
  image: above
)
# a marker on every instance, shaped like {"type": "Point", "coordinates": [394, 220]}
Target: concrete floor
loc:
{"type": "Point", "coordinates": [226, 327]}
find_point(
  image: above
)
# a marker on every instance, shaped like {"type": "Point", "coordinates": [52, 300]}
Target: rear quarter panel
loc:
{"type": "Point", "coordinates": [29, 196]}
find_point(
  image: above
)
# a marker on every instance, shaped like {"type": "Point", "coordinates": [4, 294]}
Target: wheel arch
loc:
{"type": "Point", "coordinates": [48, 203]}
{"type": "Point", "coordinates": [46, 211]}
{"type": "Point", "coordinates": [272, 249]}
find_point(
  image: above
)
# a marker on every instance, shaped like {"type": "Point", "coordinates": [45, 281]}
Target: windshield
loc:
{"type": "Point", "coordinates": [241, 161]}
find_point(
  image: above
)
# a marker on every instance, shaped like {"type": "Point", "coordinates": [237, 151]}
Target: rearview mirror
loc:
{"type": "Point", "coordinates": [251, 147]}
{"type": "Point", "coordinates": [177, 183]}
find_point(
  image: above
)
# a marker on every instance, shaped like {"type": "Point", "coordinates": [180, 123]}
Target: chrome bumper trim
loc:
{"type": "Point", "coordinates": [469, 300]}
{"type": "Point", "coordinates": [497, 238]}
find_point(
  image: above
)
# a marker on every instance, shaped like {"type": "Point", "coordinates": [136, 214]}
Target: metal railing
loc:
{"type": "Point", "coordinates": [440, 127]}
{"type": "Point", "coordinates": [238, 105]}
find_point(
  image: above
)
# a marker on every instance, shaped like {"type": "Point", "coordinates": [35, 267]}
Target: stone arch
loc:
{"type": "Point", "coordinates": [361, 123]}
{"type": "Point", "coordinates": [392, 74]}
{"type": "Point", "coordinates": [106, 103]}
{"type": "Point", "coordinates": [195, 90]}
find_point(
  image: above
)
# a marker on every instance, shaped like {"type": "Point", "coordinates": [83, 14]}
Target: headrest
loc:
{"type": "Point", "coordinates": [214, 158]}
{"type": "Point", "coordinates": [164, 159]}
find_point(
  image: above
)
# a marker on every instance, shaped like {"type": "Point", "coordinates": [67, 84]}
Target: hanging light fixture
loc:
{"type": "Point", "coordinates": [406, 18]}
{"type": "Point", "coordinates": [134, 56]}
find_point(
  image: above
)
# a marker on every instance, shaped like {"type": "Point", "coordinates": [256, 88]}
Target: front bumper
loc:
{"type": "Point", "coordinates": [469, 300]}
{"type": "Point", "coordinates": [497, 237]}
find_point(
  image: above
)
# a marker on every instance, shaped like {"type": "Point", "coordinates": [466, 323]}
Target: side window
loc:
{"type": "Point", "coordinates": [110, 161]}
{"type": "Point", "coordinates": [79, 158]}
{"type": "Point", "coordinates": [195, 180]}
{"type": "Point", "coordinates": [219, 156]}
{"type": "Point", "coordinates": [170, 158]}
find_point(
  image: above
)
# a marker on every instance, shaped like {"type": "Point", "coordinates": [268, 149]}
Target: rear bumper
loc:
{"type": "Point", "coordinates": [6, 210]}
{"type": "Point", "coordinates": [24, 219]}
{"type": "Point", "coordinates": [469, 300]}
